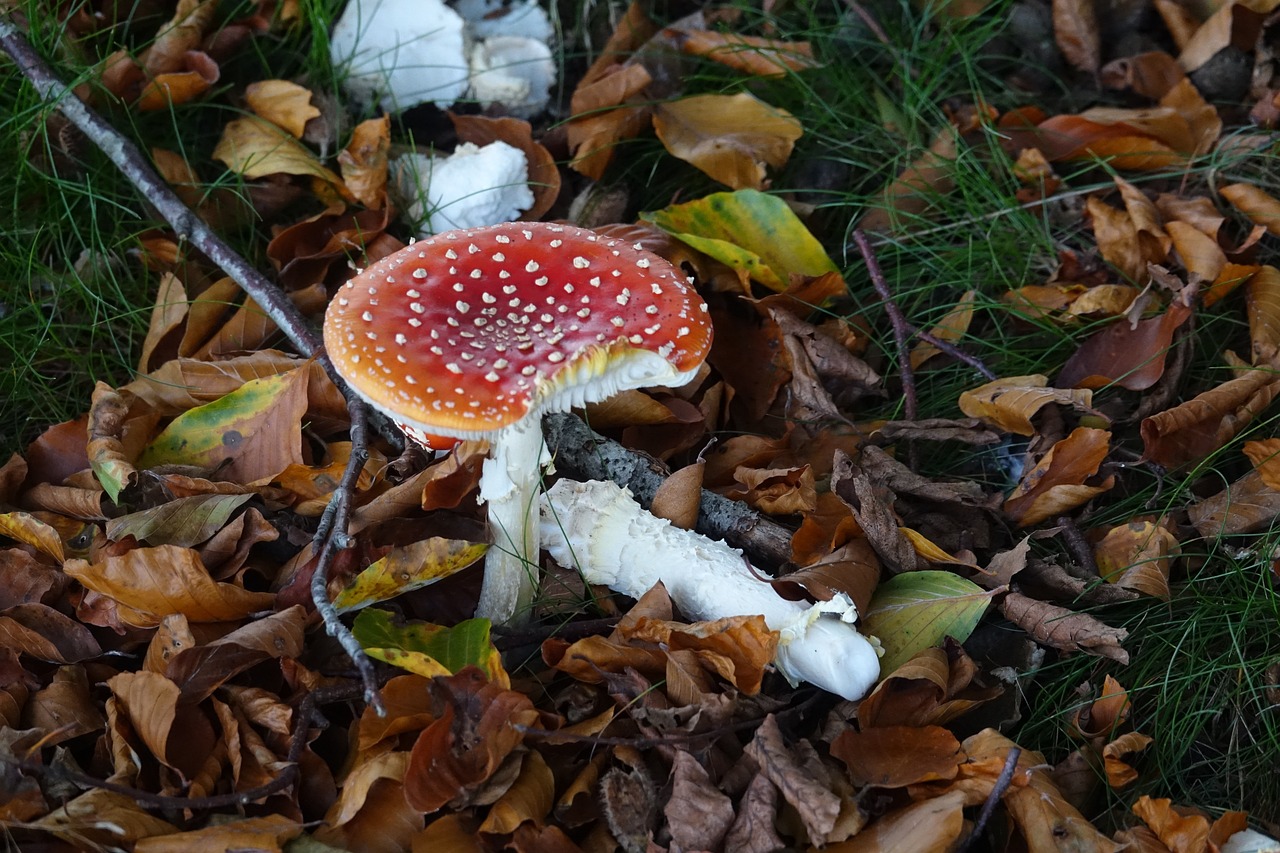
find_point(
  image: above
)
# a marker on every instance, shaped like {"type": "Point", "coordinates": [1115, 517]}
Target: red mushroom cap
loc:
{"type": "Point", "coordinates": [470, 331]}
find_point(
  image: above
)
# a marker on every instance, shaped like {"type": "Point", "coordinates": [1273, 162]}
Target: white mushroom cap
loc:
{"type": "Point", "coordinates": [489, 18]}
{"type": "Point", "coordinates": [472, 187]}
{"type": "Point", "coordinates": [401, 53]}
{"type": "Point", "coordinates": [516, 72]}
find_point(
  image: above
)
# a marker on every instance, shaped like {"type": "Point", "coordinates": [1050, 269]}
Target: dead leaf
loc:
{"type": "Point", "coordinates": [732, 138]}
{"type": "Point", "coordinates": [817, 806]}
{"type": "Point", "coordinates": [364, 162]}
{"type": "Point", "coordinates": [1010, 403]}
{"type": "Point", "coordinates": [1192, 430]}
{"type": "Point", "coordinates": [1066, 477]}
{"type": "Point", "coordinates": [283, 103]}
{"type": "Point", "coordinates": [1060, 628]}
{"type": "Point", "coordinates": [1075, 29]}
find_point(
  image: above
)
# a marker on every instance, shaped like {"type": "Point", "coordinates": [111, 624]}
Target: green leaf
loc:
{"type": "Point", "coordinates": [257, 427]}
{"type": "Point", "coordinates": [426, 649]}
{"type": "Point", "coordinates": [914, 611]}
{"type": "Point", "coordinates": [406, 569]}
{"type": "Point", "coordinates": [750, 231]}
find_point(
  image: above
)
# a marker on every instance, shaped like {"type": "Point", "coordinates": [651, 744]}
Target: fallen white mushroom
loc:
{"type": "Point", "coordinates": [1251, 841]}
{"type": "Point", "coordinates": [599, 529]}
{"type": "Point", "coordinates": [513, 71]}
{"type": "Point", "coordinates": [401, 53]}
{"type": "Point", "coordinates": [489, 18]}
{"type": "Point", "coordinates": [472, 187]}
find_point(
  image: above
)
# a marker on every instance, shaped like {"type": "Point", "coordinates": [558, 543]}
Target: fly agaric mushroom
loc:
{"type": "Point", "coordinates": [477, 333]}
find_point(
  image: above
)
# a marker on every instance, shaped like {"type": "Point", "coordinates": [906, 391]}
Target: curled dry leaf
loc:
{"type": "Point", "coordinates": [150, 583]}
{"type": "Point", "coordinates": [1192, 430]}
{"type": "Point", "coordinates": [1061, 481]}
{"type": "Point", "coordinates": [732, 138]}
{"type": "Point", "coordinates": [817, 806]}
{"type": "Point", "coordinates": [1010, 403]}
{"type": "Point", "coordinates": [1138, 556]}
{"type": "Point", "coordinates": [1262, 300]}
{"type": "Point", "coordinates": [1060, 628]}
{"type": "Point", "coordinates": [475, 732]}
{"type": "Point", "coordinates": [283, 103]}
{"type": "Point", "coordinates": [107, 413]}
{"type": "Point", "coordinates": [363, 162]}
{"type": "Point", "coordinates": [1075, 29]}
{"type": "Point", "coordinates": [698, 813]}
{"type": "Point", "coordinates": [761, 57]}
{"type": "Point", "coordinates": [1260, 207]}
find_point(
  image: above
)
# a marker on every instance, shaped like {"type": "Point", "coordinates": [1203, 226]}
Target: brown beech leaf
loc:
{"type": "Point", "coordinates": [1151, 74]}
{"type": "Point", "coordinates": [761, 57]}
{"type": "Point", "coordinates": [1048, 822]}
{"type": "Point", "coordinates": [1260, 207]}
{"type": "Point", "coordinates": [283, 103]}
{"type": "Point", "coordinates": [910, 194]}
{"type": "Point", "coordinates": [817, 806]}
{"type": "Point", "coordinates": [1010, 403]}
{"type": "Point", "coordinates": [852, 568]}
{"type": "Point", "coordinates": [1131, 357]}
{"type": "Point", "coordinates": [254, 148]}
{"type": "Point", "coordinates": [200, 670]}
{"type": "Point", "coordinates": [43, 633]}
{"type": "Point", "coordinates": [1231, 25]}
{"type": "Point", "coordinates": [606, 110]}
{"type": "Point", "coordinates": [472, 736]}
{"type": "Point", "coordinates": [529, 799]}
{"type": "Point", "coordinates": [698, 814]}
{"type": "Point", "coordinates": [1061, 481]}
{"type": "Point", "coordinates": [737, 648]}
{"type": "Point", "coordinates": [1246, 505]}
{"type": "Point", "coordinates": [25, 527]}
{"type": "Point", "coordinates": [1075, 30]}
{"type": "Point", "coordinates": [24, 580]}
{"type": "Point", "coordinates": [732, 138]}
{"type": "Point", "coordinates": [179, 736]}
{"type": "Point", "coordinates": [679, 497]}
{"type": "Point", "coordinates": [897, 756]}
{"type": "Point", "coordinates": [64, 708]}
{"type": "Point", "coordinates": [363, 162]}
{"type": "Point", "coordinates": [1262, 300]}
{"type": "Point", "coordinates": [1180, 833]}
{"type": "Point", "coordinates": [1263, 454]}
{"type": "Point", "coordinates": [1192, 430]}
{"type": "Point", "coordinates": [934, 825]}
{"type": "Point", "coordinates": [150, 583]}
{"type": "Point", "coordinates": [1201, 255]}
{"type": "Point", "coordinates": [102, 817]}
{"type": "Point", "coordinates": [266, 833]}
{"type": "Point", "coordinates": [1138, 556]}
{"type": "Point", "coordinates": [1060, 628]}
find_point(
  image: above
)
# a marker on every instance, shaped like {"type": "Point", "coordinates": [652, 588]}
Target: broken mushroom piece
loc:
{"type": "Point", "coordinates": [599, 529]}
{"type": "Point", "coordinates": [477, 333]}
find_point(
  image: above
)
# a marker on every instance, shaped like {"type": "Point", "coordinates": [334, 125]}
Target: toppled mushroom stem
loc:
{"type": "Point", "coordinates": [599, 529]}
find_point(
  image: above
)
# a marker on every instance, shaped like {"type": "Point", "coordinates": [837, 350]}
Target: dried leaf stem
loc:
{"type": "Point", "coordinates": [271, 299]}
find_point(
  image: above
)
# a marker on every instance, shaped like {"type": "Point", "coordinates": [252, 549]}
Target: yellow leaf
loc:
{"type": "Point", "coordinates": [255, 148]}
{"type": "Point", "coordinates": [1010, 403]}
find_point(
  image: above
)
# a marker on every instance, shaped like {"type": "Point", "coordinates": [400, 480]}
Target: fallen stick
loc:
{"type": "Point", "coordinates": [271, 299]}
{"type": "Point", "coordinates": [591, 456]}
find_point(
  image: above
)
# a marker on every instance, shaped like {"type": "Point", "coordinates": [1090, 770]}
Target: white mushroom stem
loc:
{"type": "Point", "coordinates": [509, 485]}
{"type": "Point", "coordinates": [598, 528]}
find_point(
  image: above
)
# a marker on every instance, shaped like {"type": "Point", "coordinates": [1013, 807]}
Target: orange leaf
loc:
{"type": "Point", "coordinates": [1059, 481]}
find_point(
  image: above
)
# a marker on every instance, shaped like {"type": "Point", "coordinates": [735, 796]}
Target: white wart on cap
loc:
{"type": "Point", "coordinates": [471, 331]}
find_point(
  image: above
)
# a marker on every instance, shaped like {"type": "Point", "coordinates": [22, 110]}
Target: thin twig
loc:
{"type": "Point", "coordinates": [1002, 784]}
{"type": "Point", "coordinates": [1079, 548]}
{"type": "Point", "coordinates": [954, 351]}
{"type": "Point", "coordinates": [901, 328]}
{"type": "Point", "coordinates": [147, 799]}
{"type": "Point", "coordinates": [331, 537]}
{"type": "Point", "coordinates": [271, 299]}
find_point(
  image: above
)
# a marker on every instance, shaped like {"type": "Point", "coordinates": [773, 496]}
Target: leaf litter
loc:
{"type": "Point", "coordinates": [162, 679]}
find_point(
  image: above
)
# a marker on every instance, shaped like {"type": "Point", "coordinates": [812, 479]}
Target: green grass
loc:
{"type": "Point", "coordinates": [1198, 676]}
{"type": "Point", "coordinates": [1198, 673]}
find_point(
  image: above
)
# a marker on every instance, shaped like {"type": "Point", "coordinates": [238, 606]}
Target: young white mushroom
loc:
{"type": "Point", "coordinates": [477, 333]}
{"type": "Point", "coordinates": [597, 528]}
{"type": "Point", "coordinates": [476, 185]}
